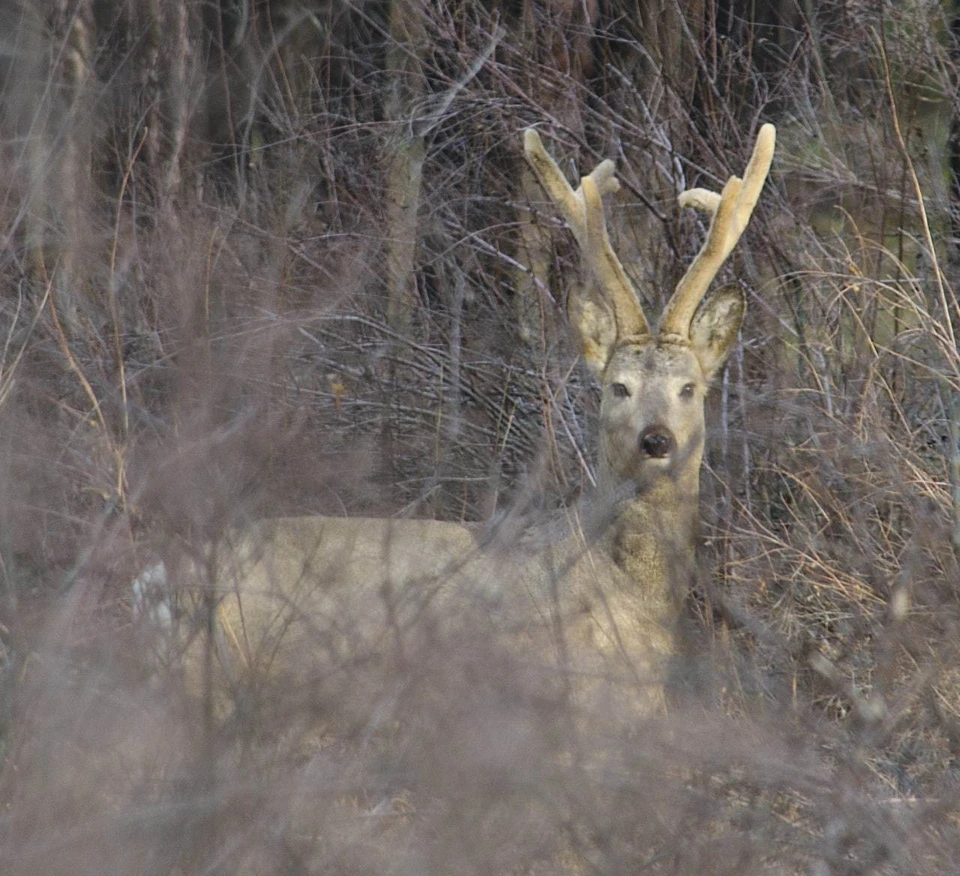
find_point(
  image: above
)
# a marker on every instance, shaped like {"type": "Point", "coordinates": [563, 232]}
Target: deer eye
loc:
{"type": "Point", "coordinates": [687, 391]}
{"type": "Point", "coordinates": [619, 390]}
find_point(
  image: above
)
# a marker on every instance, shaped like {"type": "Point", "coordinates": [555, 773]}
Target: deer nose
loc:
{"type": "Point", "coordinates": [656, 442]}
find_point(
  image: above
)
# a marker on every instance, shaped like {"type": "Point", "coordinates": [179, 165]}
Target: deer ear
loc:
{"type": "Point", "coordinates": [715, 327]}
{"type": "Point", "coordinates": [596, 329]}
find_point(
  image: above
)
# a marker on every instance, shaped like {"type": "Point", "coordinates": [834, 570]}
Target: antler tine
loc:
{"type": "Point", "coordinates": [582, 210]}
{"type": "Point", "coordinates": [731, 212]}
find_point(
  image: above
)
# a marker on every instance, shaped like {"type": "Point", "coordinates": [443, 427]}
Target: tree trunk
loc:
{"type": "Point", "coordinates": [406, 152]}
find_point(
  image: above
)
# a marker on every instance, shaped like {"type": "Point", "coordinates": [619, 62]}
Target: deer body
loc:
{"type": "Point", "coordinates": [602, 588]}
{"type": "Point", "coordinates": [298, 597]}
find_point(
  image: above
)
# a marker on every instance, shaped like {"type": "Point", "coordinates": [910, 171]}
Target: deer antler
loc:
{"type": "Point", "coordinates": [583, 212]}
{"type": "Point", "coordinates": [731, 212]}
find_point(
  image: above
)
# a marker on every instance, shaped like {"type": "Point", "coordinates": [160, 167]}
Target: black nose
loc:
{"type": "Point", "coordinates": [656, 442]}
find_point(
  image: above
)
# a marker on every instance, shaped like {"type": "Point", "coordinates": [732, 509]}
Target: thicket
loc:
{"type": "Point", "coordinates": [266, 258]}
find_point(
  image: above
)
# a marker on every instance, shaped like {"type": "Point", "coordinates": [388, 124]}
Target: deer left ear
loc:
{"type": "Point", "coordinates": [715, 327]}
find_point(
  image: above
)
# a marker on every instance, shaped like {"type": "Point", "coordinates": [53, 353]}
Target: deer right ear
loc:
{"type": "Point", "coordinates": [596, 329]}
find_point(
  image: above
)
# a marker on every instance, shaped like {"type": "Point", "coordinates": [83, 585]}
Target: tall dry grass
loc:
{"type": "Point", "coordinates": [194, 334]}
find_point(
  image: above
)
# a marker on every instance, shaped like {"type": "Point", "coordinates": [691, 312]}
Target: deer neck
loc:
{"type": "Point", "coordinates": [653, 539]}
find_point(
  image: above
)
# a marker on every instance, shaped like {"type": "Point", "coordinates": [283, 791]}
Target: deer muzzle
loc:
{"type": "Point", "coordinates": [656, 442]}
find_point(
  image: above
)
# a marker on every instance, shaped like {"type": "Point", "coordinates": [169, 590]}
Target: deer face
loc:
{"type": "Point", "coordinates": [651, 410]}
{"type": "Point", "coordinates": [651, 413]}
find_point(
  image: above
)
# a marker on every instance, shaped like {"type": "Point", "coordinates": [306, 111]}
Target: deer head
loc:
{"type": "Point", "coordinates": [654, 382]}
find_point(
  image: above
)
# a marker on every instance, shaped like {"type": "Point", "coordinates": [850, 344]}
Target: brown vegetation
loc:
{"type": "Point", "coordinates": [196, 331]}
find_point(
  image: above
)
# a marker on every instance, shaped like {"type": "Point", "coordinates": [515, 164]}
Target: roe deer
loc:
{"type": "Point", "coordinates": [316, 594]}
